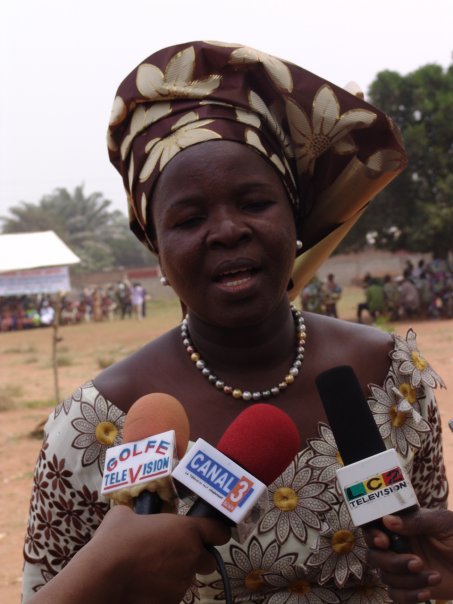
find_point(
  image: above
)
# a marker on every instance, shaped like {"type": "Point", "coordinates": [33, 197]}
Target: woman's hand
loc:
{"type": "Point", "coordinates": [137, 559]}
{"type": "Point", "coordinates": [425, 573]}
{"type": "Point", "coordinates": [160, 554]}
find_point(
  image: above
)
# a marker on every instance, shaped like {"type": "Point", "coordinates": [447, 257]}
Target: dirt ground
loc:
{"type": "Point", "coordinates": [26, 377]}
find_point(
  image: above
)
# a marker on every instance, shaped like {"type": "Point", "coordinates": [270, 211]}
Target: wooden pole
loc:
{"type": "Point", "coordinates": [55, 340]}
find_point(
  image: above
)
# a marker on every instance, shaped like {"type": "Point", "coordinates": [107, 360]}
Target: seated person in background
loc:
{"type": "Point", "coordinates": [313, 296]}
{"type": "Point", "coordinates": [391, 298]}
{"type": "Point", "coordinates": [69, 313]}
{"type": "Point", "coordinates": [409, 296]}
{"type": "Point", "coordinates": [34, 315]}
{"type": "Point", "coordinates": [23, 321]}
{"type": "Point", "coordinates": [333, 293]}
{"type": "Point", "coordinates": [47, 314]}
{"type": "Point", "coordinates": [374, 298]}
{"type": "Point", "coordinates": [7, 318]}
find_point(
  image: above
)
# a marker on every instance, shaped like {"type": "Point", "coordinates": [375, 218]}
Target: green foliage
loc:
{"type": "Point", "coordinates": [22, 349]}
{"type": "Point", "coordinates": [100, 237]}
{"type": "Point", "coordinates": [9, 393]}
{"type": "Point", "coordinates": [383, 323]}
{"type": "Point", "coordinates": [105, 361]}
{"type": "Point", "coordinates": [109, 357]}
{"type": "Point", "coordinates": [64, 360]}
{"type": "Point", "coordinates": [416, 211]}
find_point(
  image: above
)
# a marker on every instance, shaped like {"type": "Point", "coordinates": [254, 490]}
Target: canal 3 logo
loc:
{"type": "Point", "coordinates": [221, 481]}
{"type": "Point", "coordinates": [375, 487]}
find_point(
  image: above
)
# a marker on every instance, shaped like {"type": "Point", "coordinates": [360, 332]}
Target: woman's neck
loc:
{"type": "Point", "coordinates": [264, 345]}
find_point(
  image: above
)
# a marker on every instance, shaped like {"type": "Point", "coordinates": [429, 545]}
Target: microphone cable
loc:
{"type": "Point", "coordinates": [223, 573]}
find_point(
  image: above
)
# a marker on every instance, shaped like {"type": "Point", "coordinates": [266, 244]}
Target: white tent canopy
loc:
{"type": "Point", "coordinates": [34, 263]}
{"type": "Point", "coordinates": [19, 251]}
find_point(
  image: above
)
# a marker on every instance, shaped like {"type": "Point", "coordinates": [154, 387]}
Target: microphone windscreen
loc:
{"type": "Point", "coordinates": [350, 417]}
{"type": "Point", "coordinates": [263, 440]}
{"type": "Point", "coordinates": [155, 413]}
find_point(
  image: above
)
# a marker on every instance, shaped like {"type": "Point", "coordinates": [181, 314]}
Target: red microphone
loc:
{"type": "Point", "coordinates": [230, 480]}
{"type": "Point", "coordinates": [262, 439]}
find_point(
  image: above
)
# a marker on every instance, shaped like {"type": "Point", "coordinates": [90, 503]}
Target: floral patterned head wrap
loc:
{"type": "Point", "coordinates": [333, 151]}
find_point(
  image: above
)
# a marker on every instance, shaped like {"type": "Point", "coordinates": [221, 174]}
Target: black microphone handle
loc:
{"type": "Point", "coordinates": [203, 509]}
{"type": "Point", "coordinates": [398, 543]}
{"type": "Point", "coordinates": [147, 502]}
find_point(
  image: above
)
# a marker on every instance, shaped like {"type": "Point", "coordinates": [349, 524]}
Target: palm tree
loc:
{"type": "Point", "coordinates": [100, 237]}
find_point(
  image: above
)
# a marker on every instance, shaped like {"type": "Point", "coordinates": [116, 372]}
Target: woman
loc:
{"type": "Point", "coordinates": [231, 159]}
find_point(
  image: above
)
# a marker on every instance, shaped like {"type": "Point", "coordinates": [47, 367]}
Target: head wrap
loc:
{"type": "Point", "coordinates": [333, 151]}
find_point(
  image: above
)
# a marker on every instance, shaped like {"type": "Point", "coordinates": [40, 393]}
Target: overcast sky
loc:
{"type": "Point", "coordinates": [61, 62]}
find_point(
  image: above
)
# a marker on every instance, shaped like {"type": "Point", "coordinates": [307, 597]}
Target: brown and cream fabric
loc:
{"type": "Point", "coordinates": [305, 550]}
{"type": "Point", "coordinates": [333, 150]}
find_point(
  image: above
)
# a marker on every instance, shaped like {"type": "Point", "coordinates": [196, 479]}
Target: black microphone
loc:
{"type": "Point", "coordinates": [373, 480]}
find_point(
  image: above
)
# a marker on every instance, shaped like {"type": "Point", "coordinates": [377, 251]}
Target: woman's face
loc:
{"type": "Point", "coordinates": [225, 232]}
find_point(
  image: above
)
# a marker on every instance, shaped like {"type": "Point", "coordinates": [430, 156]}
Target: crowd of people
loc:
{"type": "Point", "coordinates": [321, 296]}
{"type": "Point", "coordinates": [424, 290]}
{"type": "Point", "coordinates": [122, 300]}
{"type": "Point", "coordinates": [25, 312]}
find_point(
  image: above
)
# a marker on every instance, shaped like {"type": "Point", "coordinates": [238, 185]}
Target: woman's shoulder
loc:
{"type": "Point", "coordinates": [349, 331]}
{"type": "Point", "coordinates": [337, 342]}
{"type": "Point", "coordinates": [137, 374]}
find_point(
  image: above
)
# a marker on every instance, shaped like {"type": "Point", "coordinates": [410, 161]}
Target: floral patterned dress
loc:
{"type": "Point", "coordinates": [305, 549]}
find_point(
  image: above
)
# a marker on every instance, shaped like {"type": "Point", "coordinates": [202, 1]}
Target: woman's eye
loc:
{"type": "Point", "coordinates": [257, 206]}
{"type": "Point", "coordinates": [188, 222]}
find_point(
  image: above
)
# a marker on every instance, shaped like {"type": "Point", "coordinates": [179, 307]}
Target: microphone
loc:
{"type": "Point", "coordinates": [231, 480]}
{"type": "Point", "coordinates": [138, 472]}
{"type": "Point", "coordinates": [373, 480]}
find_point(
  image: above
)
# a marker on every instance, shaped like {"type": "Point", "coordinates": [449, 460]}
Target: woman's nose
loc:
{"type": "Point", "coordinates": [228, 230]}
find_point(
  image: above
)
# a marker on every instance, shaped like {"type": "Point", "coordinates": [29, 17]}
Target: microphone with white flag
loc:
{"type": "Point", "coordinates": [230, 480]}
{"type": "Point", "coordinates": [138, 472]}
{"type": "Point", "coordinates": [373, 480]}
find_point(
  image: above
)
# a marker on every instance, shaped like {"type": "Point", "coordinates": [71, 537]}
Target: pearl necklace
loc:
{"type": "Point", "coordinates": [248, 395]}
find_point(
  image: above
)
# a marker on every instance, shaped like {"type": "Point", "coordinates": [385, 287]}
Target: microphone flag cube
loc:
{"type": "Point", "coordinates": [133, 467]}
{"type": "Point", "coordinates": [223, 484]}
{"type": "Point", "coordinates": [376, 486]}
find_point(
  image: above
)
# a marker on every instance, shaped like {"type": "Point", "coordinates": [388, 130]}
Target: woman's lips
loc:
{"type": "Point", "coordinates": [235, 279]}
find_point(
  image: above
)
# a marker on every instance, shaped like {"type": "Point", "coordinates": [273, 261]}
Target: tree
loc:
{"type": "Point", "coordinates": [101, 238]}
{"type": "Point", "coordinates": [416, 211]}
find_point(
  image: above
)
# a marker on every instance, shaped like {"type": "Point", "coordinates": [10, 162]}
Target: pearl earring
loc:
{"type": "Point", "coordinates": [163, 280]}
{"type": "Point", "coordinates": [299, 244]}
